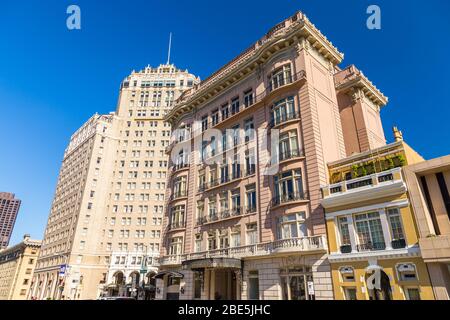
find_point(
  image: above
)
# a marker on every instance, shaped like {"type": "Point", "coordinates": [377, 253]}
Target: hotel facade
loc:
{"type": "Point", "coordinates": [248, 157]}
{"type": "Point", "coordinates": [104, 228]}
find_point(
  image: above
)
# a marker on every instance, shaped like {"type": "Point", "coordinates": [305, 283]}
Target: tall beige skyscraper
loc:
{"type": "Point", "coordinates": [104, 228]}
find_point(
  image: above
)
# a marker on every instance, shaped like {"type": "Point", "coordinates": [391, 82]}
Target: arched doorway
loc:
{"type": "Point", "coordinates": [150, 286]}
{"type": "Point", "coordinates": [133, 286]}
{"type": "Point", "coordinates": [378, 284]}
{"type": "Point", "coordinates": [115, 288]}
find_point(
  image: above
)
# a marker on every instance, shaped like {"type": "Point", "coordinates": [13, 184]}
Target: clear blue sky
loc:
{"type": "Point", "coordinates": [53, 79]}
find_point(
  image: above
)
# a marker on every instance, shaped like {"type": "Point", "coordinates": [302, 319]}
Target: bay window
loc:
{"type": "Point", "coordinates": [179, 188]}
{"type": "Point", "coordinates": [283, 110]}
{"type": "Point", "coordinates": [288, 145]}
{"type": "Point", "coordinates": [280, 77]}
{"type": "Point", "coordinates": [177, 216]}
{"type": "Point", "coordinates": [288, 186]}
{"type": "Point", "coordinates": [176, 245]}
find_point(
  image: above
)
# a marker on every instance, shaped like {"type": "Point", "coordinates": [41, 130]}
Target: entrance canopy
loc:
{"type": "Point", "coordinates": [222, 263]}
{"type": "Point", "coordinates": [173, 274]}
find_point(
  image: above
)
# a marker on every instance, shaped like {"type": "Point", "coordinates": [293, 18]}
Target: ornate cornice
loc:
{"type": "Point", "coordinates": [352, 81]}
{"type": "Point", "coordinates": [286, 34]}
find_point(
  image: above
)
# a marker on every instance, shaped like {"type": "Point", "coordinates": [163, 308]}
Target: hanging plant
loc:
{"type": "Point", "coordinates": [355, 171]}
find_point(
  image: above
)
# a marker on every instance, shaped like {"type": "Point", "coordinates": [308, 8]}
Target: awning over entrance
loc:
{"type": "Point", "coordinates": [173, 274]}
{"type": "Point", "coordinates": [212, 263]}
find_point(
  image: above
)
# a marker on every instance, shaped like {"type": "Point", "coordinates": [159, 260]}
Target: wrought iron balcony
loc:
{"type": "Point", "coordinates": [178, 194]}
{"type": "Point", "coordinates": [289, 154]}
{"type": "Point", "coordinates": [289, 197]}
{"type": "Point", "coordinates": [284, 118]}
{"type": "Point", "coordinates": [177, 225]}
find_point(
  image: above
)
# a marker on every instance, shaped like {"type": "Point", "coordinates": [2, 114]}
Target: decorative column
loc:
{"type": "Point", "coordinates": [385, 226]}
{"type": "Point", "coordinates": [351, 231]}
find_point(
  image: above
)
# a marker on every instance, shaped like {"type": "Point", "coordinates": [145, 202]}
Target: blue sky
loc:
{"type": "Point", "coordinates": [53, 79]}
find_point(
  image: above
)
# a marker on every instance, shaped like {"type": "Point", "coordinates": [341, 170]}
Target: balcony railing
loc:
{"type": "Point", "coordinates": [259, 97]}
{"type": "Point", "coordinates": [372, 180]}
{"type": "Point", "coordinates": [295, 245]}
{"type": "Point", "coordinates": [224, 214]}
{"type": "Point", "coordinates": [178, 194]}
{"type": "Point", "coordinates": [284, 118]}
{"type": "Point", "coordinates": [289, 197]}
{"type": "Point", "coordinates": [177, 225]}
{"type": "Point", "coordinates": [371, 246]}
{"type": "Point", "coordinates": [289, 154]}
{"type": "Point", "coordinates": [180, 166]}
{"type": "Point", "coordinates": [250, 209]}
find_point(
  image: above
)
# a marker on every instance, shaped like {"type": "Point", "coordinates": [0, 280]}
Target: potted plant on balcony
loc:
{"type": "Point", "coordinates": [398, 243]}
{"type": "Point", "coordinates": [346, 248]}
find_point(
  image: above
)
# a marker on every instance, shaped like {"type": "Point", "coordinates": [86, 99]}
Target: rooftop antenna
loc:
{"type": "Point", "coordinates": [170, 45]}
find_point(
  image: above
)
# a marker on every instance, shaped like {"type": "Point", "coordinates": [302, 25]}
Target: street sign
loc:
{"type": "Point", "coordinates": [310, 287]}
{"type": "Point", "coordinates": [62, 270]}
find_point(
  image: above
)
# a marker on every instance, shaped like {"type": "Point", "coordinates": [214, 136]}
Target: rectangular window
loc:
{"type": "Point", "coordinates": [344, 231]}
{"type": "Point", "coordinates": [412, 293]}
{"type": "Point", "coordinates": [204, 123]}
{"type": "Point", "coordinates": [252, 234]}
{"type": "Point", "coordinates": [288, 187]}
{"type": "Point", "coordinates": [280, 77]}
{"type": "Point", "coordinates": [176, 245]}
{"type": "Point", "coordinates": [234, 105]}
{"type": "Point", "coordinates": [248, 98]}
{"type": "Point", "coordinates": [235, 202]}
{"type": "Point", "coordinates": [292, 226]}
{"type": "Point", "coordinates": [395, 224]}
{"type": "Point", "coordinates": [250, 193]}
{"type": "Point", "coordinates": [225, 111]}
{"type": "Point", "coordinates": [253, 285]}
{"type": "Point", "coordinates": [350, 293]}
{"type": "Point", "coordinates": [249, 128]}
{"type": "Point", "coordinates": [235, 236]}
{"type": "Point", "coordinates": [283, 110]}
{"type": "Point", "coordinates": [370, 232]}
{"type": "Point", "coordinates": [215, 117]}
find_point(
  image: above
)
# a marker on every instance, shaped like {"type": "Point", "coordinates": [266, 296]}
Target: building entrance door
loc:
{"type": "Point", "coordinates": [297, 284]}
{"type": "Point", "coordinates": [225, 285]}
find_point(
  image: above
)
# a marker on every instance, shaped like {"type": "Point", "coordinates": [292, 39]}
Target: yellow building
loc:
{"type": "Point", "coordinates": [16, 269]}
{"type": "Point", "coordinates": [372, 233]}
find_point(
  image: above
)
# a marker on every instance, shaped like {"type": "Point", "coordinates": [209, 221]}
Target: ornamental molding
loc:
{"type": "Point", "coordinates": [281, 36]}
{"type": "Point", "coordinates": [352, 81]}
